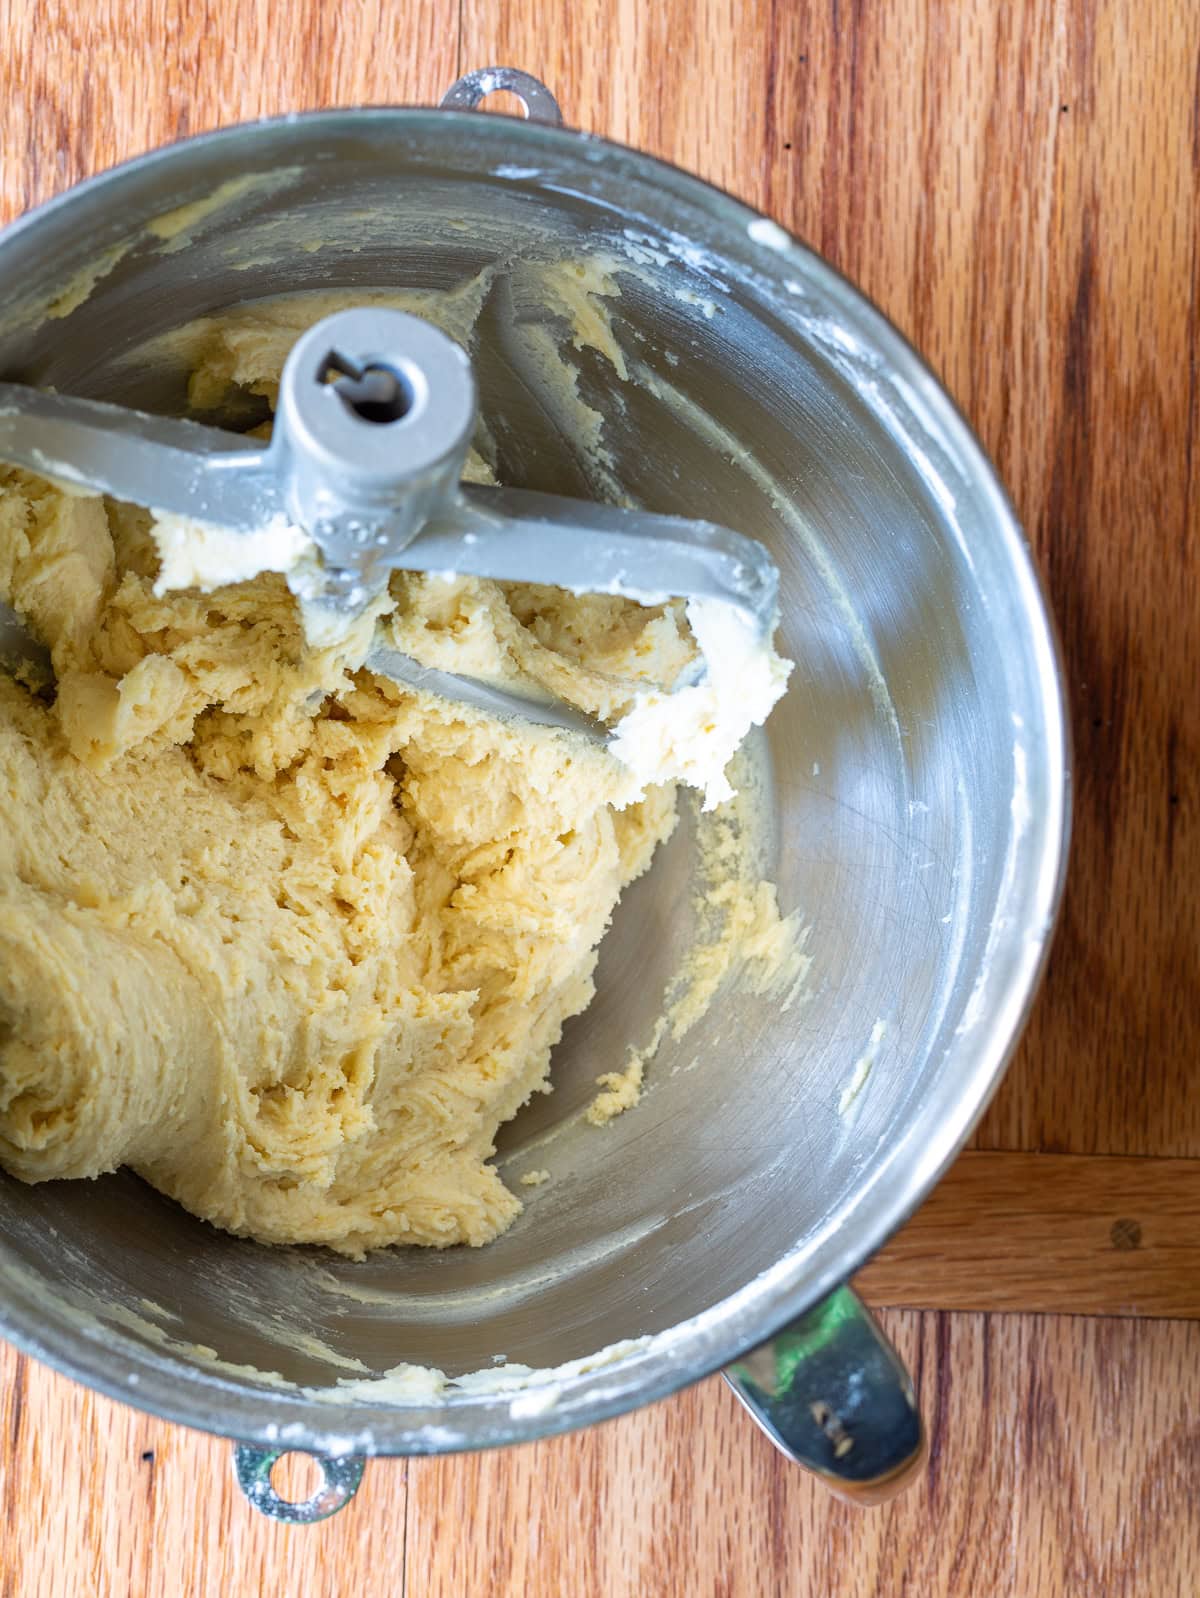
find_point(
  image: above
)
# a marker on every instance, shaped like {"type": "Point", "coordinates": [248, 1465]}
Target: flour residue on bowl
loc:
{"type": "Point", "coordinates": [421, 1384]}
{"type": "Point", "coordinates": [742, 942]}
{"type": "Point", "coordinates": [861, 1070]}
{"type": "Point", "coordinates": [79, 287]}
{"type": "Point", "coordinates": [176, 228]}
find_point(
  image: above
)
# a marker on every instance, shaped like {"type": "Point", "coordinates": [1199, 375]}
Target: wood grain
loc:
{"type": "Point", "coordinates": [87, 85]}
{"type": "Point", "coordinates": [1040, 1485]}
{"type": "Point", "coordinates": [1063, 1464]}
{"type": "Point", "coordinates": [1018, 187]}
{"type": "Point", "coordinates": [99, 1501]}
{"type": "Point", "coordinates": [1066, 1234]}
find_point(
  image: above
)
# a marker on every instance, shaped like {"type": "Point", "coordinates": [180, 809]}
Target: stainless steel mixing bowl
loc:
{"type": "Point", "coordinates": [919, 776]}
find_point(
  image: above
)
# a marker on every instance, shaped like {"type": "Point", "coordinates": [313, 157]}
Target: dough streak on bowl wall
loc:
{"type": "Point", "coordinates": [293, 942]}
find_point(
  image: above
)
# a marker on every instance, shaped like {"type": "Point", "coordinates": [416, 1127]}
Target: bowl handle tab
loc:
{"type": "Point", "coordinates": [340, 1478]}
{"type": "Point", "coordinates": [540, 105]}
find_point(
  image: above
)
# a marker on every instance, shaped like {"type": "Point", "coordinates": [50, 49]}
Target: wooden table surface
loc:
{"type": "Point", "coordinates": [1017, 183]}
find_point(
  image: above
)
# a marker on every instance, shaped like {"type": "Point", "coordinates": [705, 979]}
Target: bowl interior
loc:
{"type": "Point", "coordinates": [912, 776]}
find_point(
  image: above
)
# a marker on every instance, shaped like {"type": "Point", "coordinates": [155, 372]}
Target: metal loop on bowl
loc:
{"type": "Point", "coordinates": [540, 105]}
{"type": "Point", "coordinates": [340, 1480]}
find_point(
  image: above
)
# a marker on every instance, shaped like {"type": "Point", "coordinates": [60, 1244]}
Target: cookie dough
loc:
{"type": "Point", "coordinates": [286, 939]}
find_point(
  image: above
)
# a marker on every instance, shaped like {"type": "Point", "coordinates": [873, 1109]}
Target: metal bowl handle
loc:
{"type": "Point", "coordinates": [340, 1478]}
{"type": "Point", "coordinates": [832, 1393]}
{"type": "Point", "coordinates": [540, 105]}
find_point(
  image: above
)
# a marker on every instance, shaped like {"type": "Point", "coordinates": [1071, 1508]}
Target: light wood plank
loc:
{"type": "Point", "coordinates": [1063, 1462]}
{"type": "Point", "coordinates": [1072, 1234]}
{"type": "Point", "coordinates": [99, 1501]}
{"type": "Point", "coordinates": [88, 84]}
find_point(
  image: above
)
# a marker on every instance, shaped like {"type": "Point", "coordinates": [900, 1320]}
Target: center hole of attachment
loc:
{"type": "Point", "coordinates": [374, 391]}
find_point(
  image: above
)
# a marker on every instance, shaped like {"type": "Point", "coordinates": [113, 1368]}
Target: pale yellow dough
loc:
{"type": "Point", "coordinates": [287, 940]}
{"type": "Point", "coordinates": [295, 969]}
